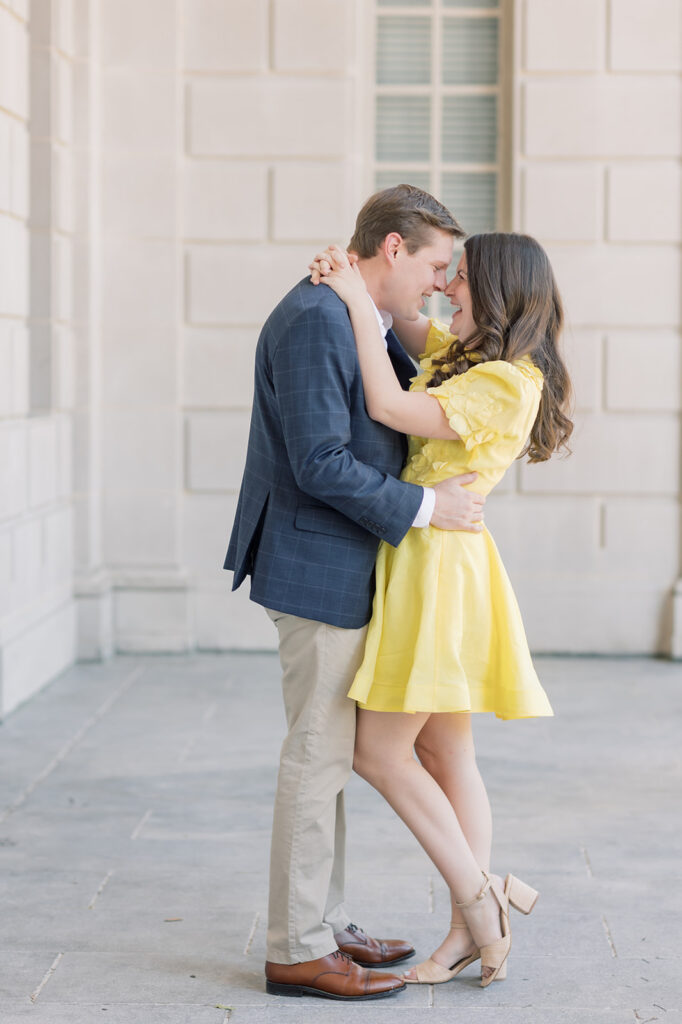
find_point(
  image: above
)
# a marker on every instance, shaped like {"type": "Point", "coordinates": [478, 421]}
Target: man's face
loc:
{"type": "Point", "coordinates": [412, 278]}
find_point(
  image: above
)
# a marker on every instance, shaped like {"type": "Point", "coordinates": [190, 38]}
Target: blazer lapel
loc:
{"type": "Point", "coordinates": [402, 364]}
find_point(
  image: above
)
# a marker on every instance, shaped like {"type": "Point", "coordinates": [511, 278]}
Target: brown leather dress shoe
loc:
{"type": "Point", "coordinates": [333, 977]}
{"type": "Point", "coordinates": [369, 952]}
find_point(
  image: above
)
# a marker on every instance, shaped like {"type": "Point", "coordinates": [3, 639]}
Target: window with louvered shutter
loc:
{"type": "Point", "coordinates": [437, 103]}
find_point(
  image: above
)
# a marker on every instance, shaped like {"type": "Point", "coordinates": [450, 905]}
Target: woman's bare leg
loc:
{"type": "Point", "coordinates": [384, 756]}
{"type": "Point", "coordinates": [445, 747]}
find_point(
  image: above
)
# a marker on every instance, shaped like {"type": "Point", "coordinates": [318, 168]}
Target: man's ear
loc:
{"type": "Point", "coordinates": [391, 246]}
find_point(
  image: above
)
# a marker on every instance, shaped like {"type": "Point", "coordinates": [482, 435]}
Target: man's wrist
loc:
{"type": "Point", "coordinates": [426, 509]}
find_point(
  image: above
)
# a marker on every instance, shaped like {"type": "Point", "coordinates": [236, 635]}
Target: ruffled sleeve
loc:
{"type": "Point", "coordinates": [438, 338]}
{"type": "Point", "coordinates": [494, 401]}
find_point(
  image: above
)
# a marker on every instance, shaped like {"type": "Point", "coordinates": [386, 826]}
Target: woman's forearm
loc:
{"type": "Point", "coordinates": [380, 383]}
{"type": "Point", "coordinates": [412, 334]}
{"type": "Point", "coordinates": [387, 403]}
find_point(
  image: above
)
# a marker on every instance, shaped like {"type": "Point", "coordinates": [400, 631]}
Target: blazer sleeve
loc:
{"type": "Point", "coordinates": [314, 366]}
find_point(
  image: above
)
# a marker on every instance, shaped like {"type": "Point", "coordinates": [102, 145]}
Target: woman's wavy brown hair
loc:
{"type": "Point", "coordinates": [517, 310]}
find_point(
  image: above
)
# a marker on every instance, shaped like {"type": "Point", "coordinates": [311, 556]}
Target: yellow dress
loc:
{"type": "Point", "coordinates": [446, 632]}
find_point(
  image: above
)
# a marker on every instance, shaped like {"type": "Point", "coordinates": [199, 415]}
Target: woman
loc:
{"type": "Point", "coordinates": [446, 637]}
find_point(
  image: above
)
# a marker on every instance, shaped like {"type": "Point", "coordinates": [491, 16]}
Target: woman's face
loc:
{"type": "Point", "coordinates": [457, 291]}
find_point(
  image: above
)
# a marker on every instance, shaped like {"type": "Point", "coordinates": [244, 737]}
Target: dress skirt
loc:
{"type": "Point", "coordinates": [446, 633]}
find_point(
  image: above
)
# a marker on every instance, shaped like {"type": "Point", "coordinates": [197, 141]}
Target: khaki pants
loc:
{"type": "Point", "coordinates": [308, 834]}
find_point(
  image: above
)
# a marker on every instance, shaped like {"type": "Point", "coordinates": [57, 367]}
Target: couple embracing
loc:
{"type": "Point", "coordinates": [360, 523]}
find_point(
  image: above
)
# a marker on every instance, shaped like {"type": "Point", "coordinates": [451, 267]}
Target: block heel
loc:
{"type": "Point", "coordinates": [521, 896]}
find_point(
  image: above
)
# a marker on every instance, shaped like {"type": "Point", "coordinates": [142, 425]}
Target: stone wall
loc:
{"type": "Point", "coordinates": [37, 613]}
{"type": "Point", "coordinates": [592, 543]}
{"type": "Point", "coordinates": [167, 169]}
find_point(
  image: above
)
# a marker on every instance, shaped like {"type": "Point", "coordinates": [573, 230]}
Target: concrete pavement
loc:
{"type": "Point", "coordinates": [135, 803]}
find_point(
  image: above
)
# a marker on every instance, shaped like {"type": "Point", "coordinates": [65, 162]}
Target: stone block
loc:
{"type": "Point", "coordinates": [42, 461]}
{"type": "Point", "coordinates": [62, 99]}
{"type": "Point", "coordinates": [139, 527]}
{"type": "Point", "coordinates": [587, 117]}
{"type": "Point", "coordinates": [87, 531]}
{"type": "Point", "coordinates": [216, 38]}
{"type": "Point", "coordinates": [63, 190]}
{"type": "Point", "coordinates": [611, 457]}
{"type": "Point", "coordinates": [312, 201]}
{"type": "Point", "coordinates": [30, 660]}
{"type": "Point", "coordinates": [6, 125]}
{"type": "Point", "coordinates": [62, 278]}
{"type": "Point", "coordinates": [5, 572]}
{"type": "Point", "coordinates": [240, 285]}
{"type": "Point", "coordinates": [129, 464]}
{"type": "Point", "coordinates": [139, 111]}
{"type": "Point", "coordinates": [584, 354]}
{"type": "Point", "coordinates": [64, 428]}
{"type": "Point", "coordinates": [152, 44]}
{"type": "Point", "coordinates": [228, 620]}
{"type": "Point", "coordinates": [635, 382]}
{"type": "Point", "coordinates": [58, 547]}
{"type": "Point", "coordinates": [284, 116]}
{"type": "Point", "coordinates": [138, 195]}
{"type": "Point", "coordinates": [218, 367]}
{"type": "Point", "coordinates": [545, 533]}
{"type": "Point", "coordinates": [139, 366]}
{"type": "Point", "coordinates": [206, 524]}
{"type": "Point", "coordinates": [311, 36]}
{"type": "Point", "coordinates": [216, 450]}
{"type": "Point", "coordinates": [227, 201]}
{"type": "Point", "coordinates": [20, 351]}
{"type": "Point", "coordinates": [42, 183]}
{"type": "Point", "coordinates": [598, 284]}
{"type": "Point", "coordinates": [563, 202]}
{"type": "Point", "coordinates": [64, 28]}
{"type": "Point", "coordinates": [644, 203]}
{"type": "Point", "coordinates": [27, 561]}
{"type": "Point", "coordinates": [63, 368]}
{"type": "Point", "coordinates": [14, 267]}
{"type": "Point", "coordinates": [14, 65]}
{"type": "Point", "coordinates": [645, 38]}
{"type": "Point", "coordinates": [94, 626]}
{"type": "Point", "coordinates": [561, 37]}
{"type": "Point", "coordinates": [152, 621]}
{"type": "Point", "coordinates": [20, 177]}
{"type": "Point", "coordinates": [13, 469]}
{"type": "Point", "coordinates": [643, 535]}
{"type": "Point", "coordinates": [140, 283]}
{"type": "Point", "coordinates": [6, 369]}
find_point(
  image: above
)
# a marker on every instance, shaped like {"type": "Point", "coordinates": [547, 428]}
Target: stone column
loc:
{"type": "Point", "coordinates": [140, 104]}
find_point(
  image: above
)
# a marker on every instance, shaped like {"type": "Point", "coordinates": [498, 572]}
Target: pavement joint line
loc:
{"type": "Point", "coordinates": [141, 824]}
{"type": "Point", "coordinates": [586, 858]}
{"type": "Point", "coordinates": [431, 901]}
{"type": "Point", "coordinates": [609, 937]}
{"type": "Point", "coordinates": [205, 719]}
{"type": "Point", "coordinates": [431, 997]}
{"type": "Point", "coordinates": [48, 975]}
{"type": "Point", "coordinates": [247, 947]}
{"type": "Point", "coordinates": [104, 883]}
{"type": "Point", "coordinates": [187, 749]}
{"type": "Point", "coordinates": [69, 746]}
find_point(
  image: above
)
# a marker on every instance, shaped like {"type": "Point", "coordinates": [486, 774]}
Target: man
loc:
{"type": "Point", "coordinates": [319, 491]}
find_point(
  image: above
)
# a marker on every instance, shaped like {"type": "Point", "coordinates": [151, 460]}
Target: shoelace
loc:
{"type": "Point", "coordinates": [340, 955]}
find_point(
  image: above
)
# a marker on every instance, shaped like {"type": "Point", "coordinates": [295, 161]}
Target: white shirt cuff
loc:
{"type": "Point", "coordinates": [423, 516]}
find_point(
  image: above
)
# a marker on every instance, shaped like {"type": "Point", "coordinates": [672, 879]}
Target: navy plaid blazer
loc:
{"type": "Point", "coordinates": [319, 488]}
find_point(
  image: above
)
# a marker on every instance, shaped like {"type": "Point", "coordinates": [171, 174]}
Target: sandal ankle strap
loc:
{"type": "Point", "coordinates": [479, 895]}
